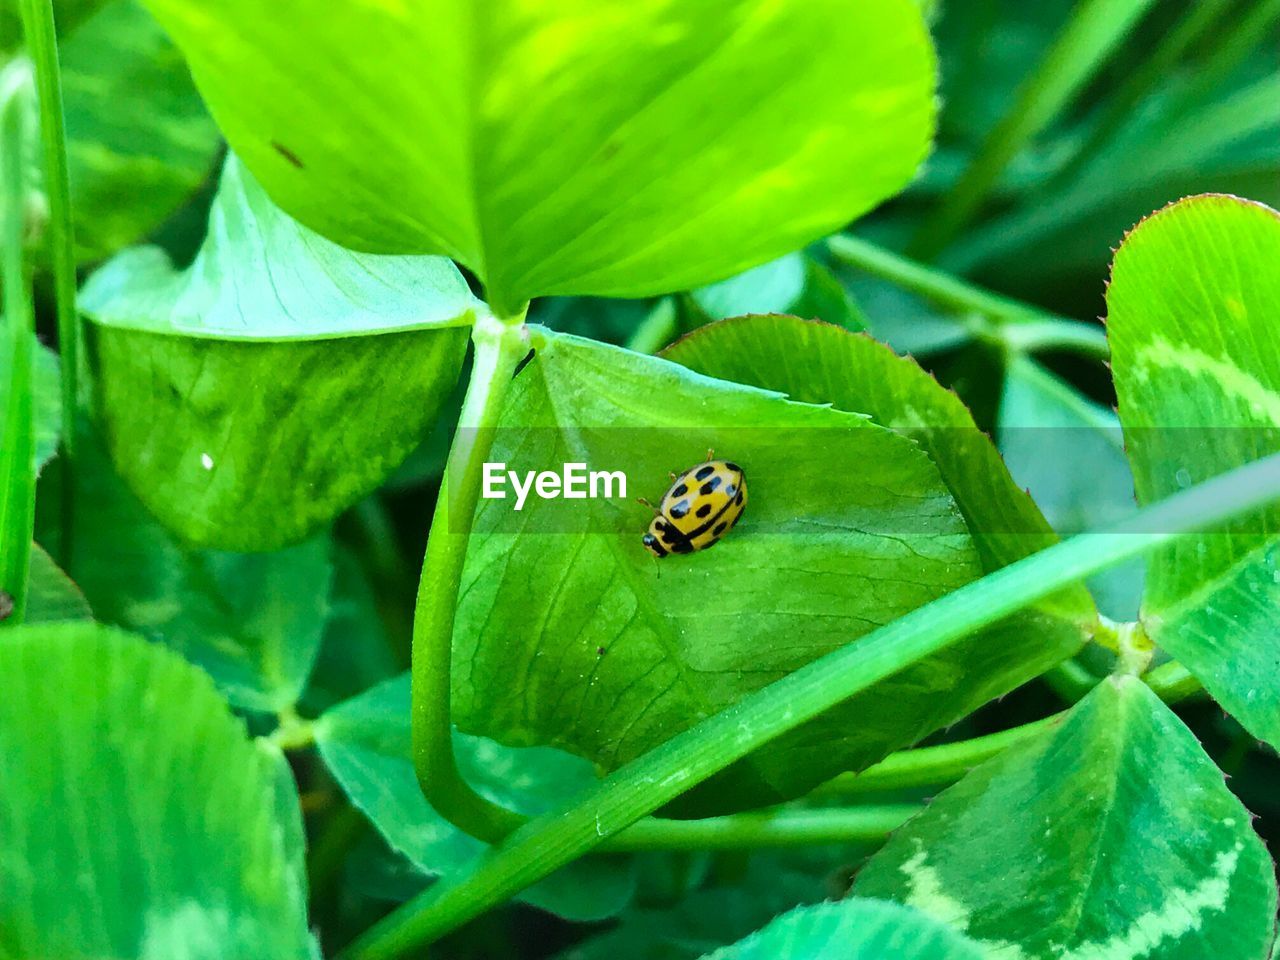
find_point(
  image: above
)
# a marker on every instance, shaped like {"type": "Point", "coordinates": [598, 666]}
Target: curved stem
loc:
{"type": "Point", "coordinates": [1017, 326]}
{"type": "Point", "coordinates": [931, 766]}
{"type": "Point", "coordinates": [17, 439]}
{"type": "Point", "coordinates": [499, 348]}
{"type": "Point", "coordinates": [42, 46]}
{"type": "Point", "coordinates": [687, 759]}
{"type": "Point", "coordinates": [782, 828]}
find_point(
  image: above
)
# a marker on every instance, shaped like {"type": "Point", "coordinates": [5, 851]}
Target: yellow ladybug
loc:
{"type": "Point", "coordinates": [702, 505]}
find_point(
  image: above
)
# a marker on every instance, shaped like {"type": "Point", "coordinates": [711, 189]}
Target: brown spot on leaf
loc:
{"type": "Point", "coordinates": [288, 154]}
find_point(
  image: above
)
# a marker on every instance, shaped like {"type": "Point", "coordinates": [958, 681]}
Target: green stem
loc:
{"type": "Point", "coordinates": [688, 758]}
{"type": "Point", "coordinates": [1070, 680]}
{"type": "Point", "coordinates": [17, 431]}
{"type": "Point", "coordinates": [930, 766]}
{"type": "Point", "coordinates": [499, 347]}
{"type": "Point", "coordinates": [658, 329]}
{"type": "Point", "coordinates": [948, 762]}
{"type": "Point", "coordinates": [782, 828]}
{"type": "Point", "coordinates": [1088, 339]}
{"type": "Point", "coordinates": [42, 46]}
{"type": "Point", "coordinates": [1172, 682]}
{"type": "Point", "coordinates": [1018, 326]}
{"type": "Point", "coordinates": [1090, 37]}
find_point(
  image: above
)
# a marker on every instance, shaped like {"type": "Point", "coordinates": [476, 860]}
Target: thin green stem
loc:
{"type": "Point", "coordinates": [687, 759]}
{"type": "Point", "coordinates": [948, 762]}
{"type": "Point", "coordinates": [930, 766]}
{"type": "Point", "coordinates": [1070, 680]}
{"type": "Point", "coordinates": [499, 347]}
{"type": "Point", "coordinates": [781, 828]}
{"type": "Point", "coordinates": [1172, 682]}
{"type": "Point", "coordinates": [1032, 336]}
{"type": "Point", "coordinates": [658, 329]}
{"type": "Point", "coordinates": [1093, 33]}
{"type": "Point", "coordinates": [42, 46]}
{"type": "Point", "coordinates": [1014, 325]}
{"type": "Point", "coordinates": [17, 432]}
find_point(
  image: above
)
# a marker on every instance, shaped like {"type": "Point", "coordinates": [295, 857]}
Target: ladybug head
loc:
{"type": "Point", "coordinates": [653, 545]}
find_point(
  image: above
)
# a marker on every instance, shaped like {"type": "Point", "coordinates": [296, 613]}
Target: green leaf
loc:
{"type": "Point", "coordinates": [852, 930]}
{"type": "Point", "coordinates": [139, 141]}
{"type": "Point", "coordinates": [51, 594]}
{"type": "Point", "coordinates": [796, 284]}
{"type": "Point", "coordinates": [355, 652]}
{"type": "Point", "coordinates": [819, 363]}
{"type": "Point", "coordinates": [1109, 837]}
{"type": "Point", "coordinates": [1045, 423]}
{"type": "Point", "coordinates": [271, 405]}
{"type": "Point", "coordinates": [111, 744]}
{"type": "Point", "coordinates": [1191, 307]}
{"type": "Point", "coordinates": [365, 743]}
{"type": "Point", "coordinates": [616, 651]}
{"type": "Point", "coordinates": [253, 621]}
{"type": "Point", "coordinates": [692, 141]}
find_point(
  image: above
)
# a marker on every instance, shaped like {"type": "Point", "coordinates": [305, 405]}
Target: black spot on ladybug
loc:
{"type": "Point", "coordinates": [720, 528]}
{"type": "Point", "coordinates": [730, 490]}
{"type": "Point", "coordinates": [288, 154]}
{"type": "Point", "coordinates": [738, 498]}
{"type": "Point", "coordinates": [709, 486]}
{"type": "Point", "coordinates": [679, 510]}
{"type": "Point", "coordinates": [732, 467]}
{"type": "Point", "coordinates": [680, 491]}
{"type": "Point", "coordinates": [705, 472]}
{"type": "Point", "coordinates": [669, 535]}
{"type": "Point", "coordinates": [684, 546]}
{"type": "Point", "coordinates": [704, 510]}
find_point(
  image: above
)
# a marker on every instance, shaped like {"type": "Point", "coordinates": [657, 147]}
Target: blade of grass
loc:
{"type": "Point", "coordinates": [1093, 33]}
{"type": "Point", "coordinates": [564, 834]}
{"type": "Point", "coordinates": [1199, 19]}
{"type": "Point", "coordinates": [17, 433]}
{"type": "Point", "coordinates": [1230, 51]}
{"type": "Point", "coordinates": [42, 46]}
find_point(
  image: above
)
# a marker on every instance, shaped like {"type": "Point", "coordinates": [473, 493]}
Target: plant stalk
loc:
{"type": "Point", "coordinates": [17, 431]}
{"type": "Point", "coordinates": [1091, 36]}
{"type": "Point", "coordinates": [1014, 325]}
{"type": "Point", "coordinates": [42, 46]}
{"type": "Point", "coordinates": [930, 766]}
{"type": "Point", "coordinates": [687, 759]}
{"type": "Point", "coordinates": [781, 828]}
{"type": "Point", "coordinates": [500, 345]}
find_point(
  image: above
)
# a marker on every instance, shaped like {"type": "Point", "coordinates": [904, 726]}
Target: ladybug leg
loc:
{"type": "Point", "coordinates": [644, 502]}
{"type": "Point", "coordinates": [672, 474]}
{"type": "Point", "coordinates": [711, 454]}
